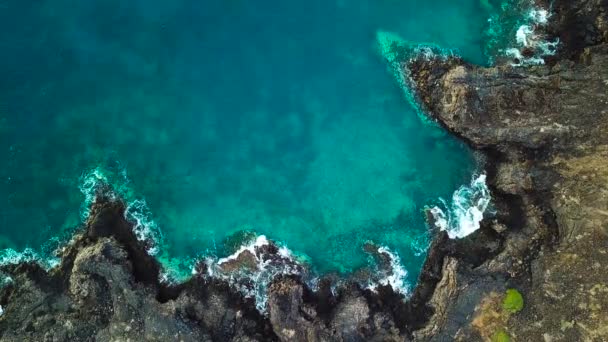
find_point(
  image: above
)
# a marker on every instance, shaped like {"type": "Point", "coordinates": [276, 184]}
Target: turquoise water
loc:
{"type": "Point", "coordinates": [230, 119]}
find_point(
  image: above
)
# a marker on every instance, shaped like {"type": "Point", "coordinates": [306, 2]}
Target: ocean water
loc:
{"type": "Point", "coordinates": [222, 120]}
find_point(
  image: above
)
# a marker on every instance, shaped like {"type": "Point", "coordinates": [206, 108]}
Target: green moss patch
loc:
{"type": "Point", "coordinates": [513, 301]}
{"type": "Point", "coordinates": [501, 336]}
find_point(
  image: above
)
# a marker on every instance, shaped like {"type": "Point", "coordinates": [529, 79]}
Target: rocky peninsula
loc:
{"type": "Point", "coordinates": [536, 271]}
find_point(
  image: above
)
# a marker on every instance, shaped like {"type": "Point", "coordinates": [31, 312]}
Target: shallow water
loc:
{"type": "Point", "coordinates": [275, 117]}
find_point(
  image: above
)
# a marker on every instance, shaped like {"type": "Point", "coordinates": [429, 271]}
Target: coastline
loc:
{"type": "Point", "coordinates": [543, 131]}
{"type": "Point", "coordinates": [544, 134]}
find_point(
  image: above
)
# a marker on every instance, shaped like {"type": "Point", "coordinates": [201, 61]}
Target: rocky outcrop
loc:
{"type": "Point", "coordinates": [544, 130]}
{"type": "Point", "coordinates": [107, 288]}
{"type": "Point", "coordinates": [544, 133]}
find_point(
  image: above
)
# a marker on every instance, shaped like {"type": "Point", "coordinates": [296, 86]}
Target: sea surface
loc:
{"type": "Point", "coordinates": [219, 121]}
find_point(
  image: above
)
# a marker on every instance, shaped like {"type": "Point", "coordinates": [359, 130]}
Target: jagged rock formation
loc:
{"type": "Point", "coordinates": [544, 132]}
{"type": "Point", "coordinates": [107, 288]}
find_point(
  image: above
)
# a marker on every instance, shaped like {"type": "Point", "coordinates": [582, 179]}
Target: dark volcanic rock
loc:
{"type": "Point", "coordinates": [544, 133]}
{"type": "Point", "coordinates": [104, 290]}
{"type": "Point", "coordinates": [107, 289]}
{"type": "Point", "coordinates": [544, 130]}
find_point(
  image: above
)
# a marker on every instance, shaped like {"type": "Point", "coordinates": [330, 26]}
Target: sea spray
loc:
{"type": "Point", "coordinates": [396, 276]}
{"type": "Point", "coordinates": [516, 30]}
{"type": "Point", "coordinates": [145, 228]}
{"type": "Point", "coordinates": [90, 185]}
{"type": "Point", "coordinates": [252, 280]}
{"type": "Point", "coordinates": [531, 40]}
{"type": "Point", "coordinates": [463, 215]}
{"type": "Point", "coordinates": [114, 185]}
{"type": "Point", "coordinates": [10, 256]}
{"type": "Point", "coordinates": [251, 283]}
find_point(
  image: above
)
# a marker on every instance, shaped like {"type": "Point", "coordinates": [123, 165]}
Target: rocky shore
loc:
{"type": "Point", "coordinates": [544, 130]}
{"type": "Point", "coordinates": [544, 133]}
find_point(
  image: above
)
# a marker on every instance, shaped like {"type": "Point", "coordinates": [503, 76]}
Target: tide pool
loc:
{"type": "Point", "coordinates": [223, 120]}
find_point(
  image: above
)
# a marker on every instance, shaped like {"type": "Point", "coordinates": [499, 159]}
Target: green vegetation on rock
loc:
{"type": "Point", "coordinates": [501, 336]}
{"type": "Point", "coordinates": [513, 302]}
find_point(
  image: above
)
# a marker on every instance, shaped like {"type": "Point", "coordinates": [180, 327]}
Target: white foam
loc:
{"type": "Point", "coordinates": [530, 36]}
{"type": "Point", "coordinates": [516, 54]}
{"type": "Point", "coordinates": [258, 242]}
{"type": "Point", "coordinates": [441, 219]}
{"type": "Point", "coordinates": [254, 283]}
{"type": "Point", "coordinates": [1, 311]}
{"type": "Point", "coordinates": [285, 253]}
{"type": "Point", "coordinates": [10, 256]}
{"type": "Point", "coordinates": [539, 16]}
{"type": "Point", "coordinates": [144, 227]}
{"type": "Point", "coordinates": [137, 211]}
{"type": "Point", "coordinates": [523, 35]}
{"type": "Point", "coordinates": [466, 211]}
{"type": "Point", "coordinates": [89, 185]}
{"type": "Point", "coordinates": [397, 277]}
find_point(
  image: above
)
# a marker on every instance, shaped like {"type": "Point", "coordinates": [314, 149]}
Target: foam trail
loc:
{"type": "Point", "coordinates": [530, 37]}
{"type": "Point", "coordinates": [10, 256]}
{"type": "Point", "coordinates": [90, 184]}
{"type": "Point", "coordinates": [464, 215]}
{"type": "Point", "coordinates": [398, 274]}
{"type": "Point", "coordinates": [145, 227]}
{"type": "Point", "coordinates": [253, 283]}
{"type": "Point", "coordinates": [115, 185]}
{"type": "Point", "coordinates": [258, 242]}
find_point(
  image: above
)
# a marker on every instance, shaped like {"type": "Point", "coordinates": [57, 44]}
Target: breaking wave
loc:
{"type": "Point", "coordinates": [532, 43]}
{"type": "Point", "coordinates": [462, 216]}
{"type": "Point", "coordinates": [253, 267]}
{"type": "Point", "coordinates": [115, 185]}
{"type": "Point", "coordinates": [395, 276]}
{"type": "Point", "coordinates": [257, 262]}
{"type": "Point", "coordinates": [250, 269]}
{"type": "Point", "coordinates": [10, 256]}
{"type": "Point", "coordinates": [517, 31]}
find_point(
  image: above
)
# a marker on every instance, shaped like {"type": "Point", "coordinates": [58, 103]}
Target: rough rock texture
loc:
{"type": "Point", "coordinates": [107, 289]}
{"type": "Point", "coordinates": [544, 133]}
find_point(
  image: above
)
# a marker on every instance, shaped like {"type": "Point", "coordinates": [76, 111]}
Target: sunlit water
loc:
{"type": "Point", "coordinates": [269, 117]}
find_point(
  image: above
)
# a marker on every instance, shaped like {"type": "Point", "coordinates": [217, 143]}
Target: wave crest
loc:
{"type": "Point", "coordinates": [517, 31]}
{"type": "Point", "coordinates": [464, 214]}
{"type": "Point", "coordinates": [253, 267]}
{"type": "Point", "coordinates": [114, 185]}
{"type": "Point", "coordinates": [395, 276]}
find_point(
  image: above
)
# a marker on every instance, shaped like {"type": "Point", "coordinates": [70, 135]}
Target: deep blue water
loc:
{"type": "Point", "coordinates": [274, 117]}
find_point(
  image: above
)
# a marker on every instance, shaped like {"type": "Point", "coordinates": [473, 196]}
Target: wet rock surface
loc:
{"type": "Point", "coordinates": [107, 289]}
{"type": "Point", "coordinates": [544, 133]}
{"type": "Point", "coordinates": [544, 130]}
